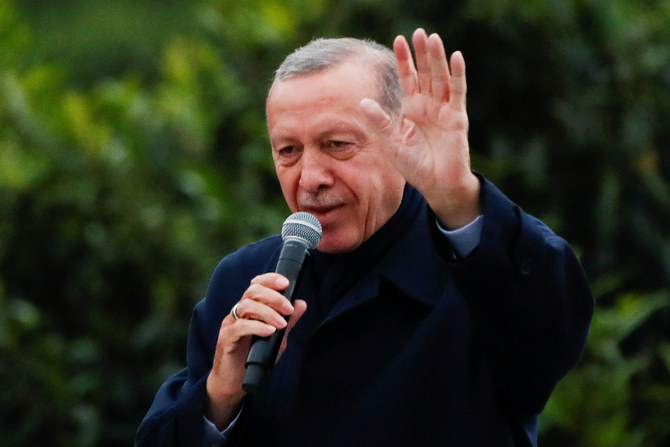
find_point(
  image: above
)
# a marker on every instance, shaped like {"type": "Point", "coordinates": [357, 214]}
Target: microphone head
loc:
{"type": "Point", "coordinates": [302, 226]}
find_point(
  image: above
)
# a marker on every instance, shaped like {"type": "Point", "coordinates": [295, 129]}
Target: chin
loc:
{"type": "Point", "coordinates": [333, 244]}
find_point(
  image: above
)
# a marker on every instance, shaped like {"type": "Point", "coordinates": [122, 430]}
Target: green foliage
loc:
{"type": "Point", "coordinates": [133, 156]}
{"type": "Point", "coordinates": [113, 215]}
{"type": "Point", "coordinates": [615, 396]}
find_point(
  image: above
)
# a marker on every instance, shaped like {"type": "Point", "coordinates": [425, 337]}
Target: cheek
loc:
{"type": "Point", "coordinates": [386, 195]}
{"type": "Point", "coordinates": [289, 186]}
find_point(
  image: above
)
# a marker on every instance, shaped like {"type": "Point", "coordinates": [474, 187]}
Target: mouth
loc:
{"type": "Point", "coordinates": [324, 214]}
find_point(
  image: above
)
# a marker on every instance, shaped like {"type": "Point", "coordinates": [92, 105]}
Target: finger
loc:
{"type": "Point", "coordinates": [406, 69]}
{"type": "Point", "coordinates": [419, 40]}
{"type": "Point", "coordinates": [383, 125]}
{"type": "Point", "coordinates": [458, 85]}
{"type": "Point", "coordinates": [439, 68]}
{"type": "Point", "coordinates": [236, 334]}
{"type": "Point", "coordinates": [377, 116]}
{"type": "Point", "coordinates": [267, 296]}
{"type": "Point", "coordinates": [266, 289]}
{"type": "Point", "coordinates": [248, 309]}
{"type": "Point", "coordinates": [245, 328]}
{"type": "Point", "coordinates": [300, 308]}
{"type": "Point", "coordinates": [273, 280]}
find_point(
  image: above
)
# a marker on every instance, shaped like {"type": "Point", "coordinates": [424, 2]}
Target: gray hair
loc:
{"type": "Point", "coordinates": [321, 54]}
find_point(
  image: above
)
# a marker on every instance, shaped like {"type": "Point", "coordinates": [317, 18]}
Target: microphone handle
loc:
{"type": "Point", "coordinates": [263, 352]}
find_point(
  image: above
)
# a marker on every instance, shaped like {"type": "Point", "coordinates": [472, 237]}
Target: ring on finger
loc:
{"type": "Point", "coordinates": [234, 312]}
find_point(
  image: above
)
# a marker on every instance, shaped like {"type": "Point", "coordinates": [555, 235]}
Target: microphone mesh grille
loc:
{"type": "Point", "coordinates": [304, 226]}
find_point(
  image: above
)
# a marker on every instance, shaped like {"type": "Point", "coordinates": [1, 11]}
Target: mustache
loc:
{"type": "Point", "coordinates": [321, 199]}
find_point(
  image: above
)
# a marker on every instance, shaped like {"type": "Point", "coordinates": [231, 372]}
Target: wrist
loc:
{"type": "Point", "coordinates": [457, 205]}
{"type": "Point", "coordinates": [221, 406]}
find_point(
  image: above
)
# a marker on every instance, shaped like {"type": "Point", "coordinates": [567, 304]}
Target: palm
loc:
{"type": "Point", "coordinates": [433, 145]}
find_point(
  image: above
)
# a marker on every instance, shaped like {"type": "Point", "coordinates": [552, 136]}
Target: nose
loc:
{"type": "Point", "coordinates": [315, 170]}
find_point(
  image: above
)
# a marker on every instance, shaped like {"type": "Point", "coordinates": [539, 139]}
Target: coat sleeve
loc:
{"type": "Point", "coordinates": [176, 417]}
{"type": "Point", "coordinates": [529, 299]}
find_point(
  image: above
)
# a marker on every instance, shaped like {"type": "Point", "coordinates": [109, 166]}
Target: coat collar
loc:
{"type": "Point", "coordinates": [403, 254]}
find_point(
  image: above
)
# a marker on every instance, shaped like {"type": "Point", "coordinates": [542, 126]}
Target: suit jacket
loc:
{"type": "Point", "coordinates": [403, 343]}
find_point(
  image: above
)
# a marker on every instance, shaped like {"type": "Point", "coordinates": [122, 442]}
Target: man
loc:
{"type": "Point", "coordinates": [433, 312]}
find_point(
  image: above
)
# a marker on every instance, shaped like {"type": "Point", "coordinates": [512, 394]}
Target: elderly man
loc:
{"type": "Point", "coordinates": [433, 312]}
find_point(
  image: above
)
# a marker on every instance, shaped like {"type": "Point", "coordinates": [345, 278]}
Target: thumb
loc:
{"type": "Point", "coordinates": [377, 116]}
{"type": "Point", "coordinates": [299, 308]}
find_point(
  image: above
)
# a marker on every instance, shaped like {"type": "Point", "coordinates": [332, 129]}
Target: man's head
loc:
{"type": "Point", "coordinates": [329, 157]}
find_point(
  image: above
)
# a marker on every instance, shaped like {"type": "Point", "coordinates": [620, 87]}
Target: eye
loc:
{"type": "Point", "coordinates": [335, 144]}
{"type": "Point", "coordinates": [287, 155]}
{"type": "Point", "coordinates": [286, 151]}
{"type": "Point", "coordinates": [341, 149]}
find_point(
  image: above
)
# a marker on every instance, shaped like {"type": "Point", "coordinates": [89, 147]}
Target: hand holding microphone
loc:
{"type": "Point", "coordinates": [301, 232]}
{"type": "Point", "coordinates": [260, 313]}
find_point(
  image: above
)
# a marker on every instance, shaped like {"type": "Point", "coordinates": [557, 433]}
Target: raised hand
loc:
{"type": "Point", "coordinates": [429, 145]}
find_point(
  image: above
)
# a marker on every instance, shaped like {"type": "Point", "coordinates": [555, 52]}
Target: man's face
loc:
{"type": "Point", "coordinates": [329, 158]}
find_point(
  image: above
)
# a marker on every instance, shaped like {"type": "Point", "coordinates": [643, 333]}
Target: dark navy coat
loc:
{"type": "Point", "coordinates": [418, 348]}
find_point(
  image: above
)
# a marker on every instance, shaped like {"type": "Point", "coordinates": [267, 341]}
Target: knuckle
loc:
{"type": "Point", "coordinates": [252, 291]}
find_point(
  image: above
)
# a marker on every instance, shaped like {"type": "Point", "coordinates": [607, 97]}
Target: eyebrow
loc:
{"type": "Point", "coordinates": [342, 127]}
{"type": "Point", "coordinates": [333, 128]}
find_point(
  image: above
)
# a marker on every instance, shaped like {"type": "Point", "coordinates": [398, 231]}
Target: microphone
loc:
{"type": "Point", "coordinates": [300, 232]}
